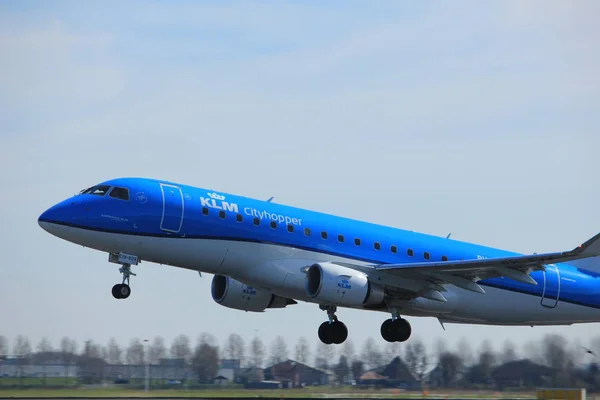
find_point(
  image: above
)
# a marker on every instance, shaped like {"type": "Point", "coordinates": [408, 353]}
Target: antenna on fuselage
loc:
{"type": "Point", "coordinates": [448, 237]}
{"type": "Point", "coordinates": [270, 199]}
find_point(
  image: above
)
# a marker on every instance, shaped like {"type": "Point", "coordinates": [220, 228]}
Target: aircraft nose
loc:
{"type": "Point", "coordinates": [53, 216]}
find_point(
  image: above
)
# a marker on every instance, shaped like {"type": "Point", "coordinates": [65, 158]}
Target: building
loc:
{"type": "Point", "coordinates": [294, 374]}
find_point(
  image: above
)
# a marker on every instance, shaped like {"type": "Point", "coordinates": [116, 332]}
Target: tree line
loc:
{"type": "Point", "coordinates": [461, 364]}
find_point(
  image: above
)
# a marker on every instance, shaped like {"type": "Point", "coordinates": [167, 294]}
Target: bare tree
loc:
{"type": "Point", "coordinates": [348, 350]}
{"type": "Point", "coordinates": [157, 350]}
{"type": "Point", "coordinates": [115, 353]}
{"type": "Point", "coordinates": [440, 348]}
{"type": "Point", "coordinates": [342, 369]}
{"type": "Point", "coordinates": [135, 352]}
{"type": "Point", "coordinates": [234, 349]}
{"type": "Point", "coordinates": [91, 350]}
{"type": "Point", "coordinates": [415, 358]}
{"type": "Point", "coordinates": [205, 359]}
{"type": "Point", "coordinates": [257, 352]}
{"type": "Point", "coordinates": [324, 357]}
{"type": "Point", "coordinates": [391, 351]}
{"type": "Point", "coordinates": [557, 357]}
{"type": "Point", "coordinates": [509, 352]}
{"type": "Point", "coordinates": [44, 346]}
{"type": "Point", "coordinates": [180, 348]}
{"type": "Point", "coordinates": [452, 366]}
{"type": "Point", "coordinates": [22, 347]}
{"type": "Point", "coordinates": [302, 351]}
{"type": "Point", "coordinates": [279, 350]}
{"type": "Point", "coordinates": [464, 349]}
{"type": "Point", "coordinates": [68, 346]}
{"type": "Point", "coordinates": [3, 345]}
{"type": "Point", "coordinates": [357, 369]}
{"type": "Point", "coordinates": [371, 355]}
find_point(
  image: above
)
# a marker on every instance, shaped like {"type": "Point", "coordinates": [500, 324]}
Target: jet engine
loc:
{"type": "Point", "coordinates": [339, 285]}
{"type": "Point", "coordinates": [230, 293]}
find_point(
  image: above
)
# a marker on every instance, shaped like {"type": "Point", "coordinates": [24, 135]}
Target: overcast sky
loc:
{"type": "Point", "coordinates": [480, 120]}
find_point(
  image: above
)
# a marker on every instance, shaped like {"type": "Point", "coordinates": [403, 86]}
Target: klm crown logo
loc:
{"type": "Point", "coordinates": [216, 196]}
{"type": "Point", "coordinates": [217, 201]}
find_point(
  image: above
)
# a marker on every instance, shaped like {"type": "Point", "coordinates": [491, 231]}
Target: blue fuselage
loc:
{"type": "Point", "coordinates": [169, 210]}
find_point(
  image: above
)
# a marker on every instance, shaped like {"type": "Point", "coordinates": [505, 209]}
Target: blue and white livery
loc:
{"type": "Point", "coordinates": [267, 255]}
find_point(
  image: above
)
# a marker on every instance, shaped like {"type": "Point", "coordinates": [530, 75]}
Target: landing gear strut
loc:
{"type": "Point", "coordinates": [395, 329]}
{"type": "Point", "coordinates": [332, 331]}
{"type": "Point", "coordinates": [122, 290]}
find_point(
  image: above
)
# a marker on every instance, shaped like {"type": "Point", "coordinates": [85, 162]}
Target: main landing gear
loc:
{"type": "Point", "coordinates": [395, 329]}
{"type": "Point", "coordinates": [332, 331]}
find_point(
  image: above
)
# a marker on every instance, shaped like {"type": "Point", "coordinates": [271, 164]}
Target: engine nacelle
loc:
{"type": "Point", "coordinates": [230, 293]}
{"type": "Point", "coordinates": [339, 285]}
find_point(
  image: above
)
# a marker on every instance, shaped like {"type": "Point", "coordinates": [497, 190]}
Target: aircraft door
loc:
{"type": "Point", "coordinates": [551, 290]}
{"type": "Point", "coordinates": [172, 214]}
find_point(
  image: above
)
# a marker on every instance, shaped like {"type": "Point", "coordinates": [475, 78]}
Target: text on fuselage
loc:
{"type": "Point", "coordinates": [217, 201]}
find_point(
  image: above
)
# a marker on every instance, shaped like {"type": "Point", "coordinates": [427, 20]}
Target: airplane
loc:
{"type": "Point", "coordinates": [265, 255]}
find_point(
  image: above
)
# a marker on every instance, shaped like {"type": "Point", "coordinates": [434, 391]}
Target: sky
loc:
{"type": "Point", "coordinates": [480, 120]}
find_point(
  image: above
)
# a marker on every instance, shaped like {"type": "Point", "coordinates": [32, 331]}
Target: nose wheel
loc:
{"type": "Point", "coordinates": [122, 290]}
{"type": "Point", "coordinates": [332, 331]}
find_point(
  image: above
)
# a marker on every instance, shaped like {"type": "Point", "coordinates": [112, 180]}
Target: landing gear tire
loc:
{"type": "Point", "coordinates": [334, 332]}
{"type": "Point", "coordinates": [396, 330]}
{"type": "Point", "coordinates": [121, 291]}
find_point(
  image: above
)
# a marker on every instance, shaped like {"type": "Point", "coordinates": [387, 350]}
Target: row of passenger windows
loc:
{"type": "Point", "coordinates": [323, 234]}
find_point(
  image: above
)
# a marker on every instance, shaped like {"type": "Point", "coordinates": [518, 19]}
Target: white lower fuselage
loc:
{"type": "Point", "coordinates": [278, 270]}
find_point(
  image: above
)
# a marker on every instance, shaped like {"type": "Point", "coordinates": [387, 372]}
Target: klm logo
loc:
{"type": "Point", "coordinates": [344, 284]}
{"type": "Point", "coordinates": [249, 290]}
{"type": "Point", "coordinates": [218, 202]}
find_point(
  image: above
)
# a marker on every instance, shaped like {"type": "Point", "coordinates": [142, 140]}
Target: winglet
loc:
{"type": "Point", "coordinates": [590, 248]}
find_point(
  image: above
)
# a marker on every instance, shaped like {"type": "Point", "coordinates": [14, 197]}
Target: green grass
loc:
{"type": "Point", "coordinates": [314, 392]}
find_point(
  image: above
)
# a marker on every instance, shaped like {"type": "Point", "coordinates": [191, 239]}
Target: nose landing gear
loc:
{"type": "Point", "coordinates": [122, 290]}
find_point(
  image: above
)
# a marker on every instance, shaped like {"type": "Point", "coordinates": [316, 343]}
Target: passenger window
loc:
{"type": "Point", "coordinates": [410, 252]}
{"type": "Point", "coordinates": [357, 241]}
{"type": "Point", "coordinates": [256, 221]}
{"type": "Point", "coordinates": [307, 231]}
{"type": "Point", "coordinates": [377, 245]}
{"type": "Point", "coordinates": [238, 218]}
{"type": "Point", "coordinates": [426, 255]}
{"type": "Point", "coordinates": [273, 224]}
{"type": "Point", "coordinates": [204, 210]}
{"type": "Point", "coordinates": [221, 214]}
{"type": "Point", "coordinates": [290, 228]}
{"type": "Point", "coordinates": [444, 258]}
{"type": "Point", "coordinates": [394, 249]}
{"type": "Point", "coordinates": [120, 193]}
{"type": "Point", "coordinates": [324, 235]}
{"type": "Point", "coordinates": [341, 238]}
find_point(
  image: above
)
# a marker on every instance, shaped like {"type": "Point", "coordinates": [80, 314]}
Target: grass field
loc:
{"type": "Point", "coordinates": [313, 392]}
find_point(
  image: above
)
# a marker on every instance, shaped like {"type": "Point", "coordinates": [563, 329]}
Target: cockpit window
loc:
{"type": "Point", "coordinates": [99, 190]}
{"type": "Point", "coordinates": [120, 193]}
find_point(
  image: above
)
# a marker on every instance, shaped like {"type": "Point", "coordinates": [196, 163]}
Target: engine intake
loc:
{"type": "Point", "coordinates": [230, 293]}
{"type": "Point", "coordinates": [336, 284]}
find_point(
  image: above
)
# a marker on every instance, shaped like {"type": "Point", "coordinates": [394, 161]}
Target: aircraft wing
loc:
{"type": "Point", "coordinates": [465, 273]}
